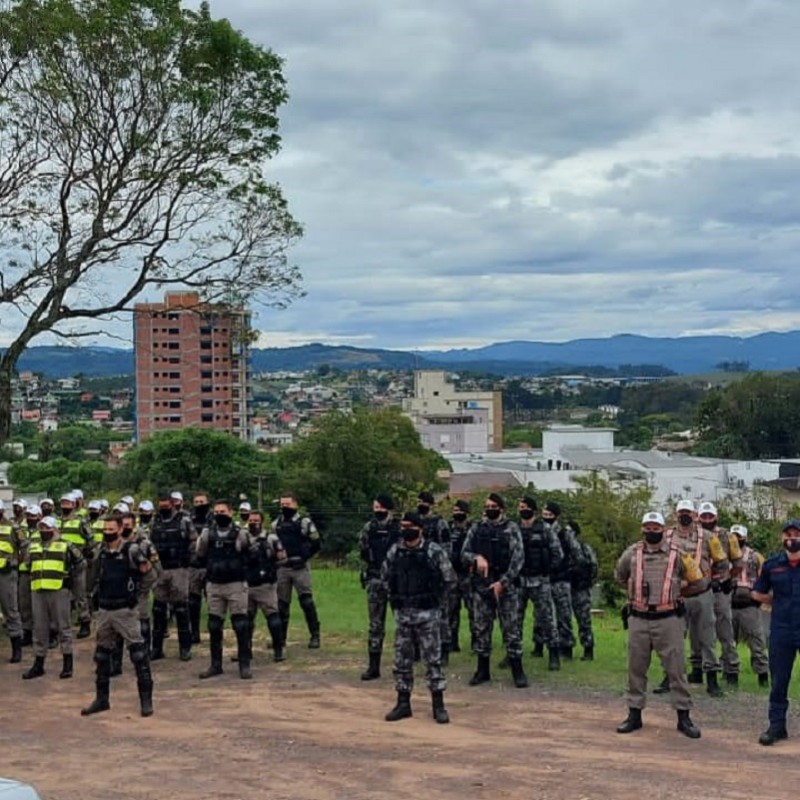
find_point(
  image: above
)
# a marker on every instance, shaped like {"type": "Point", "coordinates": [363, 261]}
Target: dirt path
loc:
{"type": "Point", "coordinates": [317, 733]}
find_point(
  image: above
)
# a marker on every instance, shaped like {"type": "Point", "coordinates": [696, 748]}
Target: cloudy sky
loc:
{"type": "Point", "coordinates": [471, 171]}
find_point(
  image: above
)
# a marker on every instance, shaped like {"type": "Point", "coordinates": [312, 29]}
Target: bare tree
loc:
{"type": "Point", "coordinates": [133, 140]}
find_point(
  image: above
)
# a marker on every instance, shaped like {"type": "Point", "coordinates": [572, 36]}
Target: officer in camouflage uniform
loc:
{"type": "Point", "coordinates": [542, 549]}
{"type": "Point", "coordinates": [436, 530]}
{"type": "Point", "coordinates": [722, 583]}
{"type": "Point", "coordinates": [654, 572]}
{"type": "Point", "coordinates": [417, 573]}
{"type": "Point", "coordinates": [200, 518]}
{"type": "Point", "coordinates": [374, 541]}
{"type": "Point", "coordinates": [462, 591]}
{"type": "Point", "coordinates": [560, 576]}
{"type": "Point", "coordinates": [747, 623]}
{"type": "Point", "coordinates": [493, 549]}
{"type": "Point", "coordinates": [582, 578]}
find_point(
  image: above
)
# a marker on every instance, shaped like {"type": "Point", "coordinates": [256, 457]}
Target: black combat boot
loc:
{"type": "Point", "coordinates": [402, 708]}
{"type": "Point", "coordinates": [553, 660]}
{"type": "Point", "coordinates": [763, 680]}
{"type": "Point", "coordinates": [27, 638]}
{"type": "Point", "coordinates": [373, 671]}
{"type": "Point", "coordinates": [712, 685]}
{"type": "Point", "coordinates": [215, 645]}
{"type": "Point", "coordinates": [184, 632]}
{"type": "Point", "coordinates": [195, 611]}
{"type": "Point", "coordinates": [116, 657]}
{"type": "Point", "coordinates": [102, 682]}
{"type": "Point", "coordinates": [518, 673]}
{"type": "Point", "coordinates": [566, 653]}
{"type": "Point", "coordinates": [732, 679]}
{"type": "Point", "coordinates": [632, 722]}
{"type": "Point", "coordinates": [159, 630]}
{"type": "Point", "coordinates": [686, 726]}
{"type": "Point", "coordinates": [439, 711]}
{"type": "Point", "coordinates": [695, 676]}
{"type": "Point", "coordinates": [588, 653]}
{"type": "Point", "coordinates": [16, 650]}
{"type": "Point", "coordinates": [775, 733]}
{"type": "Point", "coordinates": [276, 634]}
{"type": "Point", "coordinates": [538, 650]}
{"type": "Point", "coordinates": [144, 678]}
{"type": "Point", "coordinates": [663, 687]}
{"type": "Point", "coordinates": [241, 627]}
{"type": "Point", "coordinates": [455, 646]}
{"type": "Point", "coordinates": [482, 673]}
{"type": "Point", "coordinates": [312, 620]}
{"type": "Point", "coordinates": [147, 636]}
{"type": "Point", "coordinates": [36, 671]}
{"type": "Point", "coordinates": [66, 667]}
{"type": "Point", "coordinates": [85, 630]}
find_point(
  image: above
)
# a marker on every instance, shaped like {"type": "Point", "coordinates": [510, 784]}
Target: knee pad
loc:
{"type": "Point", "coordinates": [283, 609]}
{"type": "Point", "coordinates": [240, 623]}
{"type": "Point", "coordinates": [306, 601]}
{"type": "Point", "coordinates": [102, 655]}
{"type": "Point", "coordinates": [215, 623]}
{"type": "Point", "coordinates": [138, 653]}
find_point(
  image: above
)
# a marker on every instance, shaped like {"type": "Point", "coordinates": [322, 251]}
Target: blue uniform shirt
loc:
{"type": "Point", "coordinates": [783, 580]}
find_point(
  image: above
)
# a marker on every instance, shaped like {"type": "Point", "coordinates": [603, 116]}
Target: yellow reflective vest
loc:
{"type": "Point", "coordinates": [71, 531]}
{"type": "Point", "coordinates": [8, 549]}
{"type": "Point", "coordinates": [48, 566]}
{"type": "Point", "coordinates": [32, 536]}
{"type": "Point", "coordinates": [97, 530]}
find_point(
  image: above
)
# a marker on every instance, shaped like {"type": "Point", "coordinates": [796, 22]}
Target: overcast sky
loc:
{"type": "Point", "coordinates": [471, 171]}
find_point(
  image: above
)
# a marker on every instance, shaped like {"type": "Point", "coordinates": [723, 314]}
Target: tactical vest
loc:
{"type": "Point", "coordinates": [536, 545]}
{"type": "Point", "coordinates": [71, 531]}
{"type": "Point", "coordinates": [379, 539]}
{"type": "Point", "coordinates": [48, 566]}
{"type": "Point", "coordinates": [290, 532]}
{"type": "Point", "coordinates": [494, 544]}
{"type": "Point", "coordinates": [117, 586]}
{"type": "Point", "coordinates": [261, 567]}
{"type": "Point", "coordinates": [560, 573]}
{"type": "Point", "coordinates": [97, 530]}
{"type": "Point", "coordinates": [458, 535]}
{"type": "Point", "coordinates": [168, 539]}
{"type": "Point", "coordinates": [584, 573]}
{"type": "Point", "coordinates": [8, 551]}
{"type": "Point", "coordinates": [224, 563]}
{"type": "Point", "coordinates": [431, 529]}
{"type": "Point", "coordinates": [415, 580]}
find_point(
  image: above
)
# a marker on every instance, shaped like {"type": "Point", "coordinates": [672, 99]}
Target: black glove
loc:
{"type": "Point", "coordinates": [625, 613]}
{"type": "Point", "coordinates": [716, 586]}
{"type": "Point", "coordinates": [727, 585]}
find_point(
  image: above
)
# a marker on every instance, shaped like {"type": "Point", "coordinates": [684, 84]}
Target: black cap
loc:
{"type": "Point", "coordinates": [497, 499]}
{"type": "Point", "coordinates": [426, 497]}
{"type": "Point", "coordinates": [462, 505]}
{"type": "Point", "coordinates": [789, 524]}
{"type": "Point", "coordinates": [414, 518]}
{"type": "Point", "coordinates": [551, 505]}
{"type": "Point", "coordinates": [385, 501]}
{"type": "Point", "coordinates": [530, 502]}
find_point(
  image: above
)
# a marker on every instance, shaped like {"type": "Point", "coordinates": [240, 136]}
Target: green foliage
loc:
{"type": "Point", "coordinates": [53, 478]}
{"type": "Point", "coordinates": [193, 459]}
{"type": "Point", "coordinates": [755, 418]}
{"type": "Point", "coordinates": [522, 436]}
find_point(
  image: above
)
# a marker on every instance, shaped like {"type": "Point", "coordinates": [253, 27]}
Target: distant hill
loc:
{"type": "Point", "coordinates": [685, 355]}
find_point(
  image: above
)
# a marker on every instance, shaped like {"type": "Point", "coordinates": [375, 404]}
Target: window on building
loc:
{"type": "Point", "coordinates": [174, 331]}
{"type": "Point", "coordinates": [174, 389]}
{"type": "Point", "coordinates": [206, 375]}
{"type": "Point", "coordinates": [174, 403]}
{"type": "Point", "coordinates": [174, 346]}
{"type": "Point", "coordinates": [174, 359]}
{"type": "Point", "coordinates": [206, 387]}
{"type": "Point", "coordinates": [204, 345]}
{"type": "Point", "coordinates": [205, 331]}
{"type": "Point", "coordinates": [206, 403]}
{"type": "Point", "coordinates": [175, 419]}
{"type": "Point", "coordinates": [206, 417]}
{"type": "Point", "coordinates": [175, 375]}
{"type": "Point", "coordinates": [205, 359]}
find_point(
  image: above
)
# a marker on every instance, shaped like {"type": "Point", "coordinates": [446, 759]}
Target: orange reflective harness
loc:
{"type": "Point", "coordinates": [666, 606]}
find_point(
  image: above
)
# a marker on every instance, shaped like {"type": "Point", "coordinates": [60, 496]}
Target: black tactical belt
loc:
{"type": "Point", "coordinates": [672, 612]}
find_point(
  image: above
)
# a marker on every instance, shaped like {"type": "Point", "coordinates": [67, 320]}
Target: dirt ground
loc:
{"type": "Point", "coordinates": [311, 730]}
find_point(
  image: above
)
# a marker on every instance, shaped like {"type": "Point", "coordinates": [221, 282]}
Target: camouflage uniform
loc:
{"type": "Point", "coordinates": [374, 542]}
{"type": "Point", "coordinates": [747, 621]}
{"type": "Point", "coordinates": [436, 530]}
{"type": "Point", "coordinates": [542, 550]}
{"type": "Point", "coordinates": [462, 589]}
{"type": "Point", "coordinates": [416, 579]}
{"type": "Point", "coordinates": [560, 580]}
{"type": "Point", "coordinates": [582, 579]}
{"type": "Point", "coordinates": [500, 543]}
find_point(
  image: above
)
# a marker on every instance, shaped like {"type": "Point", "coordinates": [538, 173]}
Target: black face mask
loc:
{"type": "Point", "coordinates": [145, 518]}
{"type": "Point", "coordinates": [127, 533]}
{"type": "Point", "coordinates": [65, 512]}
{"type": "Point", "coordinates": [410, 534]}
{"type": "Point", "coordinates": [287, 512]}
{"type": "Point", "coordinates": [459, 516]}
{"type": "Point", "coordinates": [792, 545]}
{"type": "Point", "coordinates": [526, 513]}
{"type": "Point", "coordinates": [423, 508]}
{"type": "Point", "coordinates": [47, 536]}
{"type": "Point", "coordinates": [492, 513]}
{"type": "Point", "coordinates": [244, 516]}
{"type": "Point", "coordinates": [94, 515]}
{"type": "Point", "coordinates": [201, 511]}
{"type": "Point", "coordinates": [685, 520]}
{"type": "Point", "coordinates": [223, 520]}
{"type": "Point", "coordinates": [254, 528]}
{"type": "Point", "coordinates": [381, 515]}
{"type": "Point", "coordinates": [653, 537]}
{"type": "Point", "coordinates": [165, 513]}
{"type": "Point", "coordinates": [110, 538]}
{"type": "Point", "coordinates": [708, 526]}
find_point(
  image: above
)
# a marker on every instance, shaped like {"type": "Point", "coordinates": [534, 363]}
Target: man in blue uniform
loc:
{"type": "Point", "coordinates": [779, 585]}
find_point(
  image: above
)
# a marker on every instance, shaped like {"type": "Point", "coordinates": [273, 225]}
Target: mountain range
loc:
{"type": "Point", "coordinates": [684, 355]}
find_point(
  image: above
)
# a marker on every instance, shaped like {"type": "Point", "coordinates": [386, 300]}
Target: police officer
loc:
{"type": "Point", "coordinates": [417, 573]}
{"type": "Point", "coordinates": [223, 547]}
{"type": "Point", "coordinates": [374, 541]}
{"type": "Point", "coordinates": [436, 530]}
{"type": "Point", "coordinates": [652, 571]}
{"type": "Point", "coordinates": [493, 550]}
{"type": "Point", "coordinates": [542, 550]}
{"type": "Point", "coordinates": [747, 622]}
{"type": "Point", "coordinates": [707, 552]}
{"type": "Point", "coordinates": [171, 535]}
{"type": "Point", "coordinates": [581, 579]}
{"type": "Point", "coordinates": [244, 513]}
{"type": "Point", "coordinates": [779, 586]}
{"type": "Point", "coordinates": [560, 576]}
{"type": "Point", "coordinates": [301, 541]}
{"type": "Point", "coordinates": [266, 552]}
{"type": "Point", "coordinates": [121, 566]}
{"type": "Point", "coordinates": [74, 530]}
{"type": "Point", "coordinates": [462, 590]}
{"type": "Point", "coordinates": [201, 518]}
{"type": "Point", "coordinates": [145, 522]}
{"type": "Point", "coordinates": [9, 583]}
{"type": "Point", "coordinates": [50, 562]}
{"type": "Point", "coordinates": [33, 516]}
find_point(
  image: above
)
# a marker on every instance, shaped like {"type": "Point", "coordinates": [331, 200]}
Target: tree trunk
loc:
{"type": "Point", "coordinates": [5, 403]}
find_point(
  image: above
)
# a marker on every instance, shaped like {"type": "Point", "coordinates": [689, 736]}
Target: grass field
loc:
{"type": "Point", "coordinates": [341, 603]}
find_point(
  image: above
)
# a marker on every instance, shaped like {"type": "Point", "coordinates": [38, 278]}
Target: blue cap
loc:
{"type": "Point", "coordinates": [790, 523]}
